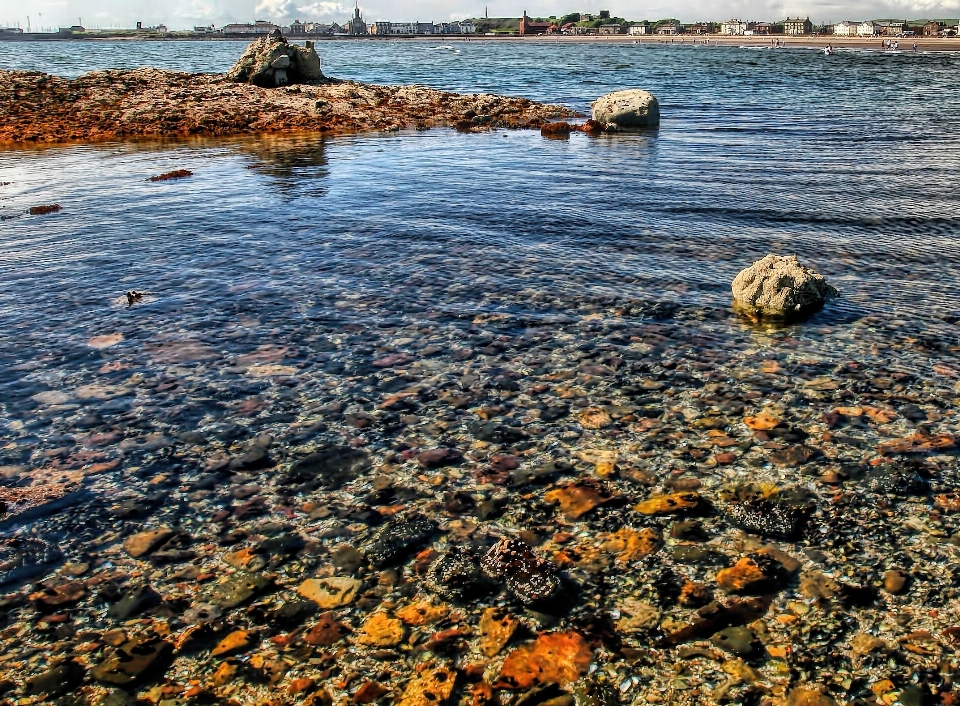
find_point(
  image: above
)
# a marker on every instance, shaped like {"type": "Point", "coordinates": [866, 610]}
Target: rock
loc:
{"type": "Point", "coordinates": [630, 108]}
{"type": "Point", "coordinates": [134, 602]}
{"type": "Point", "coordinates": [57, 680]}
{"type": "Point", "coordinates": [236, 642]}
{"type": "Point", "coordinates": [22, 558]}
{"type": "Point", "coordinates": [496, 628]}
{"type": "Point", "coordinates": [429, 686]}
{"type": "Point", "coordinates": [527, 576]}
{"type": "Point", "coordinates": [237, 589]}
{"type": "Point", "coordinates": [895, 581]}
{"type": "Point", "coordinates": [737, 640]}
{"type": "Point", "coordinates": [329, 468]}
{"type": "Point", "coordinates": [398, 539]}
{"type": "Point", "coordinates": [768, 518]}
{"type": "Point", "coordinates": [756, 573]}
{"type": "Point", "coordinates": [380, 630]}
{"type": "Point", "coordinates": [553, 658]}
{"type": "Point", "coordinates": [780, 288]}
{"type": "Point", "coordinates": [327, 631]}
{"type": "Point", "coordinates": [136, 661]}
{"type": "Point", "coordinates": [330, 592]}
{"type": "Point", "coordinates": [143, 543]}
{"type": "Point", "coordinates": [456, 575]}
{"type": "Point", "coordinates": [669, 504]}
{"type": "Point", "coordinates": [58, 597]}
{"type": "Point", "coordinates": [437, 458]}
{"type": "Point", "coordinates": [271, 61]}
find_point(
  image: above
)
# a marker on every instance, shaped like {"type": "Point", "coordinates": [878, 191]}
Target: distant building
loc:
{"type": "Point", "coordinates": [797, 27]}
{"type": "Point", "coordinates": [668, 28]}
{"type": "Point", "coordinates": [258, 27]}
{"type": "Point", "coordinates": [610, 29]}
{"type": "Point", "coordinates": [889, 28]}
{"type": "Point", "coordinates": [846, 28]}
{"type": "Point", "coordinates": [604, 14]}
{"type": "Point", "coordinates": [424, 27]}
{"type": "Point", "coordinates": [209, 29]}
{"type": "Point", "coordinates": [528, 26]}
{"type": "Point", "coordinates": [637, 29]}
{"type": "Point", "coordinates": [296, 27]}
{"type": "Point", "coordinates": [380, 28]}
{"type": "Point", "coordinates": [734, 27]}
{"type": "Point", "coordinates": [10, 30]}
{"type": "Point", "coordinates": [867, 29]}
{"type": "Point", "coordinates": [355, 26]}
{"type": "Point", "coordinates": [701, 28]}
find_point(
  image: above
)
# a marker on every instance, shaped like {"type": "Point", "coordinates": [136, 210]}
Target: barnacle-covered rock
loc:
{"type": "Point", "coordinates": [456, 575]}
{"type": "Point", "coordinates": [398, 539]}
{"type": "Point", "coordinates": [769, 518]}
{"type": "Point", "coordinates": [527, 576]}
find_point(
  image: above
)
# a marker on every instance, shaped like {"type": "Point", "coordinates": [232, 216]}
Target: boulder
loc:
{"type": "Point", "coordinates": [780, 288]}
{"type": "Point", "coordinates": [631, 108]}
{"type": "Point", "coordinates": [272, 61]}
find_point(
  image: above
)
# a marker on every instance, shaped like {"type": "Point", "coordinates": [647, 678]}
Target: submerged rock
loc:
{"type": "Point", "coordinates": [272, 61]}
{"type": "Point", "coordinates": [769, 519]}
{"type": "Point", "coordinates": [527, 576]}
{"type": "Point", "coordinates": [398, 539]}
{"type": "Point", "coordinates": [22, 558]}
{"type": "Point", "coordinates": [630, 108]}
{"type": "Point", "coordinates": [456, 575]}
{"type": "Point", "coordinates": [780, 288]}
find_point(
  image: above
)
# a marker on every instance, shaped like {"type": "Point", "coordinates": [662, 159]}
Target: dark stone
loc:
{"type": "Point", "coordinates": [330, 468]}
{"type": "Point", "coordinates": [136, 661]}
{"type": "Point", "coordinates": [237, 590]}
{"type": "Point", "coordinates": [437, 458]}
{"type": "Point", "coordinates": [900, 480]}
{"type": "Point", "coordinates": [22, 558]}
{"type": "Point", "coordinates": [528, 577]}
{"type": "Point", "coordinates": [57, 680]}
{"type": "Point", "coordinates": [255, 459]}
{"type": "Point", "coordinates": [494, 433]}
{"type": "Point", "coordinates": [398, 538]}
{"type": "Point", "coordinates": [455, 575]}
{"type": "Point", "coordinates": [134, 602]}
{"type": "Point", "coordinates": [769, 519]}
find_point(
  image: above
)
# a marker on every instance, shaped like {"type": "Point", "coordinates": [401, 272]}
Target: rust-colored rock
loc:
{"type": "Point", "coordinates": [553, 658]}
{"type": "Point", "coordinates": [496, 628]}
{"type": "Point", "coordinates": [669, 504]}
{"type": "Point", "coordinates": [431, 686]}
{"type": "Point", "coordinates": [578, 498]}
{"type": "Point", "coordinates": [106, 105]}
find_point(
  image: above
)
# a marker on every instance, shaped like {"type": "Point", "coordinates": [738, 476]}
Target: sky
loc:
{"type": "Point", "coordinates": [184, 14]}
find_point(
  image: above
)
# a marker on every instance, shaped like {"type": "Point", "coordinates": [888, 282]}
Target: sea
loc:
{"type": "Point", "coordinates": [390, 292]}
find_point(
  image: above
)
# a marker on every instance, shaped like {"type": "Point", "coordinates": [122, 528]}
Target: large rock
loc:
{"type": "Point", "coordinates": [272, 61]}
{"type": "Point", "coordinates": [631, 108]}
{"type": "Point", "coordinates": [780, 288]}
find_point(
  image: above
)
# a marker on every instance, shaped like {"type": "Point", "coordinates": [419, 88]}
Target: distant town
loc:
{"type": "Point", "coordinates": [577, 24]}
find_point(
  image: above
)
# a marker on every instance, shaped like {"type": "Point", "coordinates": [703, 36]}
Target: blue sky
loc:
{"type": "Point", "coordinates": [180, 14]}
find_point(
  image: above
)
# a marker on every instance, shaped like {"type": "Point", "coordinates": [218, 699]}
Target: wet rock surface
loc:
{"type": "Point", "coordinates": [780, 288]}
{"type": "Point", "coordinates": [130, 103]}
{"type": "Point", "coordinates": [272, 61]}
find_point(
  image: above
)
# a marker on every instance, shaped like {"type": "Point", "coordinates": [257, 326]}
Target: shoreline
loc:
{"type": "Point", "coordinates": [924, 44]}
{"type": "Point", "coordinates": [37, 108]}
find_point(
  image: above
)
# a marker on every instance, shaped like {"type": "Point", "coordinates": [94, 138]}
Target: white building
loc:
{"type": "Point", "coordinates": [846, 28]}
{"type": "Point", "coordinates": [639, 28]}
{"type": "Point", "coordinates": [734, 27]}
{"type": "Point", "coordinates": [258, 27]}
{"type": "Point", "coordinates": [866, 29]}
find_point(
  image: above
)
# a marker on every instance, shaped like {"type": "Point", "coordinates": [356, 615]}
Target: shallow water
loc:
{"type": "Point", "coordinates": [294, 285]}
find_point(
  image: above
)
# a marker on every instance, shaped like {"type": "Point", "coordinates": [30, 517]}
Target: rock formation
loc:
{"type": "Point", "coordinates": [272, 61]}
{"type": "Point", "coordinates": [628, 109]}
{"type": "Point", "coordinates": [780, 288]}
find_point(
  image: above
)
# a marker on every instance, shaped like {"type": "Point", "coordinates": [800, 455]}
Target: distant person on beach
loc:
{"type": "Point", "coordinates": [914, 46]}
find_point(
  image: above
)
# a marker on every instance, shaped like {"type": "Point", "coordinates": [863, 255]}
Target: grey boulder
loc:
{"type": "Point", "coordinates": [627, 109]}
{"type": "Point", "coordinates": [272, 61]}
{"type": "Point", "coordinates": [780, 288]}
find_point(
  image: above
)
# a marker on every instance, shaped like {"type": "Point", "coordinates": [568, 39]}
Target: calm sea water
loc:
{"type": "Point", "coordinates": [852, 162]}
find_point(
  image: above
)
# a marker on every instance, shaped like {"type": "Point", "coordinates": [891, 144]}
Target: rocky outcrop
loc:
{"type": "Point", "coordinates": [780, 288]}
{"type": "Point", "coordinates": [271, 61]}
{"type": "Point", "coordinates": [110, 105]}
{"type": "Point", "coordinates": [627, 109]}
